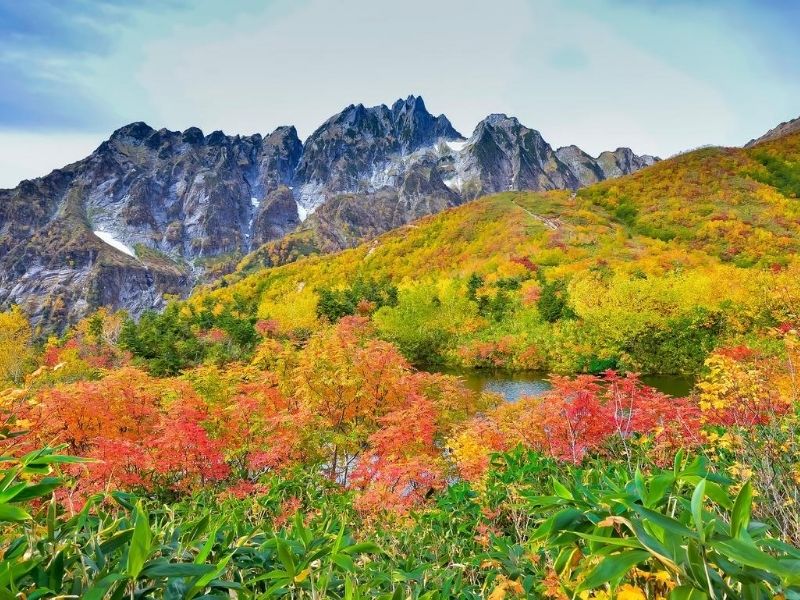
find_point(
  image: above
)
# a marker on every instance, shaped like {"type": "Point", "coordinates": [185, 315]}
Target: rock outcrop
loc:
{"type": "Point", "coordinates": [780, 131]}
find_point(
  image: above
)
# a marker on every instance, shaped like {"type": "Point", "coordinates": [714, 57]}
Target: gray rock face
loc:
{"type": "Point", "coordinates": [622, 161]}
{"type": "Point", "coordinates": [276, 216]}
{"type": "Point", "coordinates": [503, 154]}
{"type": "Point", "coordinates": [584, 168]}
{"type": "Point", "coordinates": [141, 215]}
{"type": "Point", "coordinates": [133, 220]}
{"type": "Point", "coordinates": [354, 150]}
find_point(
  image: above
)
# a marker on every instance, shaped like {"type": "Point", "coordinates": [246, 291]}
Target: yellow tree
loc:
{"type": "Point", "coordinates": [15, 346]}
{"type": "Point", "coordinates": [349, 380]}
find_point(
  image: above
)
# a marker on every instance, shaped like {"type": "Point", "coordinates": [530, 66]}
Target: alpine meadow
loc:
{"type": "Point", "coordinates": [393, 361]}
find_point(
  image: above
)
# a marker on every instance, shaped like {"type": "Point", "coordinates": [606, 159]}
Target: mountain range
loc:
{"type": "Point", "coordinates": [153, 212]}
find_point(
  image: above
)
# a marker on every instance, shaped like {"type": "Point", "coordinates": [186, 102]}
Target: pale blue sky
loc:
{"type": "Point", "coordinates": [660, 76]}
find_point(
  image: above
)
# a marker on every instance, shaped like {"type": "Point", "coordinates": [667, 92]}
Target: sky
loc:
{"type": "Point", "coordinates": [659, 76]}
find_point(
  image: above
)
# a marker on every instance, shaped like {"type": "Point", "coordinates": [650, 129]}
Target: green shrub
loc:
{"type": "Point", "coordinates": [337, 303]}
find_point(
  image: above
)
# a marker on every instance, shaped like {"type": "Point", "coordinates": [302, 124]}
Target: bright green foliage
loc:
{"type": "Point", "coordinates": [116, 548]}
{"type": "Point", "coordinates": [680, 345]}
{"type": "Point", "coordinates": [780, 173]}
{"type": "Point", "coordinates": [425, 322]}
{"type": "Point", "coordinates": [536, 527]}
{"type": "Point", "coordinates": [165, 341]}
{"type": "Point", "coordinates": [334, 304]}
{"type": "Point", "coordinates": [682, 522]}
{"type": "Point", "coordinates": [553, 303]}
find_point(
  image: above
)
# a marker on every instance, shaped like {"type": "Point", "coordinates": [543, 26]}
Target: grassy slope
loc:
{"type": "Point", "coordinates": [710, 206]}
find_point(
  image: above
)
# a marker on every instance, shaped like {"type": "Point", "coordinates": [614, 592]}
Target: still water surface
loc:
{"type": "Point", "coordinates": [513, 385]}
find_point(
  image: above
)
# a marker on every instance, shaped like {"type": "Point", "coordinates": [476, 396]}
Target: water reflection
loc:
{"type": "Point", "coordinates": [513, 385]}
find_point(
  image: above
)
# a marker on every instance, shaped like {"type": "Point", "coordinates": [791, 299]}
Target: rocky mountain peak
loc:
{"type": "Point", "coordinates": [137, 132]}
{"type": "Point", "coordinates": [350, 150]}
{"type": "Point", "coordinates": [409, 104]}
{"type": "Point", "coordinates": [193, 136]}
{"type": "Point", "coordinates": [507, 132]}
{"type": "Point", "coordinates": [216, 138]}
{"type": "Point", "coordinates": [288, 131]}
{"type": "Point", "coordinates": [415, 127]}
{"type": "Point", "coordinates": [500, 119]}
{"type": "Point", "coordinates": [622, 161]}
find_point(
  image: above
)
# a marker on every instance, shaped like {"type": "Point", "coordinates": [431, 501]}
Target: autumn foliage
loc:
{"type": "Point", "coordinates": [349, 405]}
{"type": "Point", "coordinates": [346, 402]}
{"type": "Point", "coordinates": [583, 415]}
{"type": "Point", "coordinates": [141, 431]}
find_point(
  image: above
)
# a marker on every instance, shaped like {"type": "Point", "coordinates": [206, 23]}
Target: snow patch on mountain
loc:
{"type": "Point", "coordinates": [302, 213]}
{"type": "Point", "coordinates": [109, 239]}
{"type": "Point", "coordinates": [456, 146]}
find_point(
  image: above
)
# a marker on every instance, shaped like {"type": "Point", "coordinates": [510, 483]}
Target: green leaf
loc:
{"type": "Point", "coordinates": [791, 565]}
{"type": "Point", "coordinates": [286, 558]}
{"type": "Point", "coordinates": [611, 541]}
{"type": "Point", "coordinates": [162, 568]}
{"type": "Point", "coordinates": [10, 574]}
{"type": "Point", "coordinates": [612, 569]}
{"type": "Point", "coordinates": [56, 571]}
{"type": "Point", "coordinates": [363, 548]}
{"type": "Point", "coordinates": [638, 484]}
{"type": "Point", "coordinates": [197, 529]}
{"type": "Point", "coordinates": [116, 541]}
{"type": "Point", "coordinates": [57, 459]}
{"type": "Point", "coordinates": [9, 512]}
{"type": "Point", "coordinates": [677, 464]}
{"type": "Point", "coordinates": [205, 551]}
{"type": "Point", "coordinates": [687, 592]}
{"type": "Point", "coordinates": [563, 519]}
{"type": "Point", "coordinates": [655, 546]}
{"type": "Point", "coordinates": [747, 553]}
{"type": "Point", "coordinates": [51, 520]}
{"type": "Point", "coordinates": [698, 496]}
{"type": "Point", "coordinates": [696, 563]}
{"type": "Point", "coordinates": [301, 530]}
{"type": "Point", "coordinates": [344, 562]}
{"type": "Point", "coordinates": [658, 489]}
{"type": "Point", "coordinates": [561, 490]}
{"type": "Point", "coordinates": [718, 494]}
{"type": "Point", "coordinates": [740, 517]}
{"type": "Point", "coordinates": [204, 580]}
{"type": "Point", "coordinates": [665, 522]}
{"type": "Point", "coordinates": [43, 488]}
{"type": "Point", "coordinates": [349, 589]}
{"type": "Point", "coordinates": [99, 590]}
{"type": "Point", "coordinates": [140, 543]}
{"type": "Point", "coordinates": [10, 493]}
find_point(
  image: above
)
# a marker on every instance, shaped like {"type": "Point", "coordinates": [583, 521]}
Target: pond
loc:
{"type": "Point", "coordinates": [513, 385]}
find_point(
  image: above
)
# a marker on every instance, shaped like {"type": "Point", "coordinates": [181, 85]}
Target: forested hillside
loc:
{"type": "Point", "coordinates": [649, 273]}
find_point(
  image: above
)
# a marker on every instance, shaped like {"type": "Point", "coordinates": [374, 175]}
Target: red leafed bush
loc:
{"type": "Point", "coordinates": [569, 421]}
{"type": "Point", "coordinates": [580, 416]}
{"type": "Point", "coordinates": [136, 437]}
{"type": "Point", "coordinates": [184, 455]}
{"type": "Point", "coordinates": [403, 463]}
